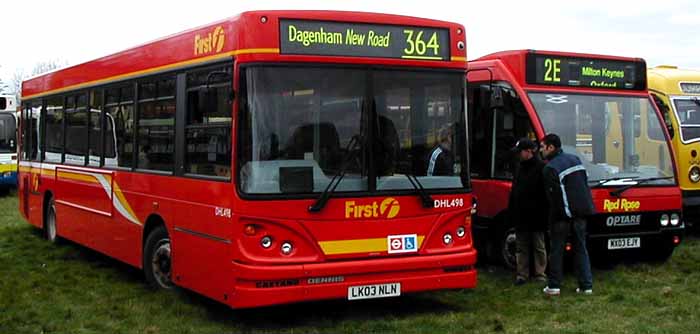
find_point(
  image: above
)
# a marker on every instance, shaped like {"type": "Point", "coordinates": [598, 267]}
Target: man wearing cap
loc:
{"type": "Point", "coordinates": [525, 208]}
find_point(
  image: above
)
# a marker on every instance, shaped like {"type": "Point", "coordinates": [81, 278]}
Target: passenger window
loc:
{"type": "Point", "coordinates": [156, 125]}
{"type": "Point", "coordinates": [119, 118]}
{"type": "Point", "coordinates": [208, 122]}
{"type": "Point", "coordinates": [53, 122]}
{"type": "Point", "coordinates": [95, 128]}
{"type": "Point", "coordinates": [76, 129]}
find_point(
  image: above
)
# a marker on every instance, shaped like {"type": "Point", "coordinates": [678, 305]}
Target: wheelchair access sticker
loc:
{"type": "Point", "coordinates": [405, 243]}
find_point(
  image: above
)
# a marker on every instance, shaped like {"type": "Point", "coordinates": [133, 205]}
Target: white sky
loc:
{"type": "Point", "coordinates": [662, 32]}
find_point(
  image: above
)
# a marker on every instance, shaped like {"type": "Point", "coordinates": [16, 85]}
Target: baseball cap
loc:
{"type": "Point", "coordinates": [524, 144]}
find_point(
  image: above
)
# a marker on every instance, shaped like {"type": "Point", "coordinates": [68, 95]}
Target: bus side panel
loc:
{"type": "Point", "coordinates": [85, 198]}
{"type": "Point", "coordinates": [202, 240]}
{"type": "Point", "coordinates": [492, 195]}
{"type": "Point", "coordinates": [39, 181]}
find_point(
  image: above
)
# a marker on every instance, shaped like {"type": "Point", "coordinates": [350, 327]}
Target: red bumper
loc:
{"type": "Point", "coordinates": [269, 285]}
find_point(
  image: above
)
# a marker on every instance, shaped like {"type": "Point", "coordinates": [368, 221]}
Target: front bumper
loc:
{"type": "Point", "coordinates": [648, 240]}
{"type": "Point", "coordinates": [262, 285]}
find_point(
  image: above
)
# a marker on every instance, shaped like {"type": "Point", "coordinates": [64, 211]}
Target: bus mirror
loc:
{"type": "Point", "coordinates": [296, 179]}
{"type": "Point", "coordinates": [496, 98]}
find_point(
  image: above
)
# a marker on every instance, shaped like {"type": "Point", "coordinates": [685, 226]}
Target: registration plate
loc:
{"type": "Point", "coordinates": [374, 291]}
{"type": "Point", "coordinates": [622, 243]}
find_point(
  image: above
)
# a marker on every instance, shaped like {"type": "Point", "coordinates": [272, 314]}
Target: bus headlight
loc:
{"type": "Point", "coordinates": [694, 174]}
{"type": "Point", "coordinates": [447, 239]}
{"type": "Point", "coordinates": [664, 220]}
{"type": "Point", "coordinates": [266, 242]}
{"type": "Point", "coordinates": [675, 219]}
{"type": "Point", "coordinates": [287, 248]}
{"type": "Point", "coordinates": [461, 231]}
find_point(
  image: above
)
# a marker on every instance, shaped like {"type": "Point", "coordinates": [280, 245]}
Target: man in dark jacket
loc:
{"type": "Point", "coordinates": [570, 202]}
{"type": "Point", "coordinates": [527, 194]}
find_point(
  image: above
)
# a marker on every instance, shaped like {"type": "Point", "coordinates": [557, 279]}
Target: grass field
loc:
{"type": "Point", "coordinates": [70, 289]}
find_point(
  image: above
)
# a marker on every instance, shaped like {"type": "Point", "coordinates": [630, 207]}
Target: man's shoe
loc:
{"type": "Point", "coordinates": [584, 291]}
{"type": "Point", "coordinates": [520, 281]}
{"type": "Point", "coordinates": [551, 291]}
{"type": "Point", "coordinates": [541, 279]}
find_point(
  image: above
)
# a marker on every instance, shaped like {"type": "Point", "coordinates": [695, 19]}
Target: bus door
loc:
{"type": "Point", "coordinates": [30, 153]}
{"type": "Point", "coordinates": [498, 119]}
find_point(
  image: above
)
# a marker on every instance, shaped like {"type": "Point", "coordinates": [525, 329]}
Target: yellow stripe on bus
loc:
{"type": "Point", "coordinates": [124, 202]}
{"type": "Point", "coordinates": [77, 177]}
{"type": "Point", "coordinates": [335, 247]}
{"type": "Point", "coordinates": [8, 168]}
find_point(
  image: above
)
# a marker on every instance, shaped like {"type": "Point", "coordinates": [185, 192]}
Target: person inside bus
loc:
{"type": "Point", "coordinates": [570, 202]}
{"type": "Point", "coordinates": [527, 193]}
{"type": "Point", "coordinates": [441, 159]}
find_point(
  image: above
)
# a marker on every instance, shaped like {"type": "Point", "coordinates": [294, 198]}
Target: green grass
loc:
{"type": "Point", "coordinates": [70, 289]}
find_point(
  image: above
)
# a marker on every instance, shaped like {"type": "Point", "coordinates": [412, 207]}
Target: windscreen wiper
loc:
{"type": "Point", "coordinates": [604, 181]}
{"type": "Point", "coordinates": [426, 200]}
{"type": "Point", "coordinates": [354, 146]}
{"type": "Point", "coordinates": [617, 192]}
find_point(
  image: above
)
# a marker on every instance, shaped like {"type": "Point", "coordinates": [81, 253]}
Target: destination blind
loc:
{"type": "Point", "coordinates": [545, 69]}
{"type": "Point", "coordinates": [303, 37]}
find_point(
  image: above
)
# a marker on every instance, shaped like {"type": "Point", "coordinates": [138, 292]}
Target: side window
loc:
{"type": "Point", "coordinates": [208, 122]}
{"type": "Point", "coordinates": [480, 119]}
{"type": "Point", "coordinates": [95, 128]}
{"type": "Point", "coordinates": [24, 139]}
{"type": "Point", "coordinates": [156, 124]}
{"type": "Point", "coordinates": [76, 129]}
{"type": "Point", "coordinates": [53, 132]}
{"type": "Point", "coordinates": [119, 126]}
{"type": "Point", "coordinates": [496, 127]}
{"type": "Point", "coordinates": [34, 131]}
{"type": "Point", "coordinates": [665, 113]}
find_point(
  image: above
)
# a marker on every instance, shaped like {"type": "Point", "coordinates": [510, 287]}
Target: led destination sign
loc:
{"type": "Point", "coordinates": [585, 72]}
{"type": "Point", "coordinates": [303, 37]}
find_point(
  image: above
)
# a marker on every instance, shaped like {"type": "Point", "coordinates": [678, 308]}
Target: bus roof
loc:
{"type": "Point", "coordinates": [666, 79]}
{"type": "Point", "coordinates": [250, 35]}
{"type": "Point", "coordinates": [516, 62]}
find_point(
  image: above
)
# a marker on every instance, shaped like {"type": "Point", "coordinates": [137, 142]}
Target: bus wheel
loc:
{"type": "Point", "coordinates": [50, 231]}
{"type": "Point", "coordinates": [157, 260]}
{"type": "Point", "coordinates": [508, 248]}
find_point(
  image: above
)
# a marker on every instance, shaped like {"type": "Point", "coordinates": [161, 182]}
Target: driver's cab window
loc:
{"type": "Point", "coordinates": [498, 119]}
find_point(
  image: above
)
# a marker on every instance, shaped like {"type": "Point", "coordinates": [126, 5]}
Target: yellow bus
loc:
{"type": "Point", "coordinates": [677, 93]}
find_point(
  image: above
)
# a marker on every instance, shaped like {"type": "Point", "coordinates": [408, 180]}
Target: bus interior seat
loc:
{"type": "Point", "coordinates": [302, 141]}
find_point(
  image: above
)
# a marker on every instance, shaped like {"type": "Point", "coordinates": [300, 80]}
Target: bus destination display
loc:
{"type": "Point", "coordinates": [303, 37]}
{"type": "Point", "coordinates": [585, 72]}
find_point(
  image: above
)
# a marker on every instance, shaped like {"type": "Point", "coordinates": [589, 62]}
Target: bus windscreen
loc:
{"type": "Point", "coordinates": [614, 136]}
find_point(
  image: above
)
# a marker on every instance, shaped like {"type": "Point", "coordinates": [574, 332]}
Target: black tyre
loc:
{"type": "Point", "coordinates": [50, 222]}
{"type": "Point", "coordinates": [157, 261]}
{"type": "Point", "coordinates": [508, 248]}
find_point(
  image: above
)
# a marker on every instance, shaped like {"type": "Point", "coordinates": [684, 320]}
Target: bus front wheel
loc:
{"type": "Point", "coordinates": [157, 260]}
{"type": "Point", "coordinates": [508, 247]}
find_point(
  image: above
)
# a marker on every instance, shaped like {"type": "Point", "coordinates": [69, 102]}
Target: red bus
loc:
{"type": "Point", "coordinates": [601, 109]}
{"type": "Point", "coordinates": [273, 157]}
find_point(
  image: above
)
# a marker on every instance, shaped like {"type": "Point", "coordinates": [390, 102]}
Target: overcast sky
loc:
{"type": "Point", "coordinates": [662, 32]}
